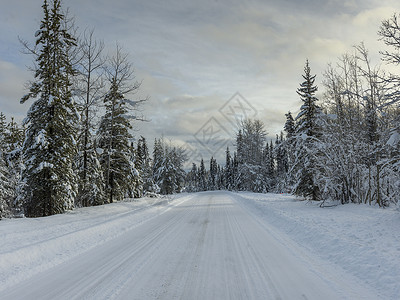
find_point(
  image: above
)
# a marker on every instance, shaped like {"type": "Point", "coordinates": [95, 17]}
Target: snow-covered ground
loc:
{"type": "Point", "coordinates": [211, 245]}
{"type": "Point", "coordinates": [362, 240]}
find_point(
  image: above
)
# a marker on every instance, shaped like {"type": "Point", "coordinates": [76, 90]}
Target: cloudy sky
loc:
{"type": "Point", "coordinates": [205, 63]}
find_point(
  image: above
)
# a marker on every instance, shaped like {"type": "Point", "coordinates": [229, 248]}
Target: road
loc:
{"type": "Point", "coordinates": [207, 247]}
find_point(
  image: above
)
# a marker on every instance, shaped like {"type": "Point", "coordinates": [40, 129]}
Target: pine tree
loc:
{"type": "Point", "coordinates": [306, 120]}
{"type": "Point", "coordinates": [6, 188]}
{"type": "Point", "coordinates": [202, 177]}
{"type": "Point", "coordinates": [114, 139]}
{"type": "Point", "coordinates": [237, 180]}
{"type": "Point", "coordinates": [250, 141]}
{"type": "Point", "coordinates": [289, 125]}
{"type": "Point", "coordinates": [92, 187]}
{"type": "Point", "coordinates": [192, 179]}
{"type": "Point", "coordinates": [13, 141]}
{"type": "Point", "coordinates": [158, 158]}
{"type": "Point", "coordinates": [49, 181]}
{"type": "Point", "coordinates": [229, 182]}
{"type": "Point", "coordinates": [3, 129]}
{"type": "Point", "coordinates": [143, 164]}
{"type": "Point", "coordinates": [7, 191]}
{"type": "Point", "coordinates": [212, 179]}
{"type": "Point", "coordinates": [289, 146]}
{"type": "Point", "coordinates": [282, 162]}
{"type": "Point", "coordinates": [306, 132]}
{"type": "Point", "coordinates": [178, 159]}
{"type": "Point", "coordinates": [135, 188]}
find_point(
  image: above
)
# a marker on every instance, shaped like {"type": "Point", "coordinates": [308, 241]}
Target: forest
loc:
{"type": "Point", "coordinates": [76, 146]}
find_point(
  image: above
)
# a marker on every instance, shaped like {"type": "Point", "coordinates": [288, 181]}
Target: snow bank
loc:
{"type": "Point", "coordinates": [362, 240]}
{"type": "Point", "coordinates": [29, 246]}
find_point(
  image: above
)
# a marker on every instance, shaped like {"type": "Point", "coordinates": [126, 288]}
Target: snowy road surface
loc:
{"type": "Point", "coordinates": [204, 246]}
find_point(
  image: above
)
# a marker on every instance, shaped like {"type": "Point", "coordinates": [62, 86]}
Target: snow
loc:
{"type": "Point", "coordinates": [210, 245]}
{"type": "Point", "coordinates": [394, 139]}
{"type": "Point", "coordinates": [44, 165]}
{"type": "Point", "coordinates": [40, 140]}
{"type": "Point", "coordinates": [362, 240]}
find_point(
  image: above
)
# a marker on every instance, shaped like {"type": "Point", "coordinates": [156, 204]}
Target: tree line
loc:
{"type": "Point", "coordinates": [343, 147]}
{"type": "Point", "coordinates": [75, 147]}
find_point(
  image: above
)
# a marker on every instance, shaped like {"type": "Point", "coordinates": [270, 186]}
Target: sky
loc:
{"type": "Point", "coordinates": [205, 64]}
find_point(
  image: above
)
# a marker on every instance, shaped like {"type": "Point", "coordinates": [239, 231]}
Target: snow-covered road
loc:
{"type": "Point", "coordinates": [202, 246]}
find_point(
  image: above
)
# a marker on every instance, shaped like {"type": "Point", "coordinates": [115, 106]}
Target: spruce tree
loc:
{"type": "Point", "coordinates": [91, 186]}
{"type": "Point", "coordinates": [306, 132]}
{"type": "Point", "coordinates": [158, 158]}
{"type": "Point", "coordinates": [212, 179]}
{"type": "Point", "coordinates": [49, 181]}
{"type": "Point", "coordinates": [144, 165]}
{"type": "Point", "coordinates": [114, 139]}
{"type": "Point", "coordinates": [202, 176]}
{"type": "Point", "coordinates": [6, 188]}
{"type": "Point", "coordinates": [135, 189]}
{"type": "Point", "coordinates": [192, 182]}
{"type": "Point", "coordinates": [289, 125]}
{"type": "Point", "coordinates": [7, 191]}
{"type": "Point", "coordinates": [228, 170]}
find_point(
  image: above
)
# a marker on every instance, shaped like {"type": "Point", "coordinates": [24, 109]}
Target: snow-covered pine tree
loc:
{"type": "Point", "coordinates": [49, 181]}
{"type": "Point", "coordinates": [306, 132]}
{"type": "Point", "coordinates": [14, 138]}
{"type": "Point", "coordinates": [237, 180]}
{"type": "Point", "coordinates": [144, 166]}
{"type": "Point", "coordinates": [135, 189]}
{"type": "Point", "coordinates": [192, 181]}
{"type": "Point", "coordinates": [168, 185]}
{"type": "Point", "coordinates": [13, 141]}
{"type": "Point", "coordinates": [289, 125]}
{"type": "Point", "coordinates": [6, 188]}
{"type": "Point", "coordinates": [212, 178]}
{"type": "Point", "coordinates": [268, 168]}
{"type": "Point", "coordinates": [91, 186]}
{"type": "Point", "coordinates": [250, 141]}
{"type": "Point", "coordinates": [288, 145]}
{"type": "Point", "coordinates": [229, 177]}
{"type": "Point", "coordinates": [179, 157]}
{"type": "Point", "coordinates": [113, 139]}
{"type": "Point", "coordinates": [7, 191]}
{"type": "Point", "coordinates": [168, 171]}
{"type": "Point", "coordinates": [158, 158]}
{"type": "Point", "coordinates": [220, 178]}
{"type": "Point", "coordinates": [114, 135]}
{"type": "Point", "coordinates": [281, 157]}
{"type": "Point", "coordinates": [202, 177]}
{"type": "Point", "coordinates": [3, 128]}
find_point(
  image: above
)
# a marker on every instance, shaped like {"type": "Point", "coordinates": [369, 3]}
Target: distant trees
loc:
{"type": "Point", "coordinates": [76, 147]}
{"type": "Point", "coordinates": [345, 148]}
{"type": "Point", "coordinates": [168, 173]}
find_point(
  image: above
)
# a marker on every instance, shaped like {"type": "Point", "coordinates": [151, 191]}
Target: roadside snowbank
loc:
{"type": "Point", "coordinates": [363, 240]}
{"type": "Point", "coordinates": [31, 245]}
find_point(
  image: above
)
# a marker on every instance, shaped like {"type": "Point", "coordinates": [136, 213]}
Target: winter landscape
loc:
{"type": "Point", "coordinates": [122, 177]}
